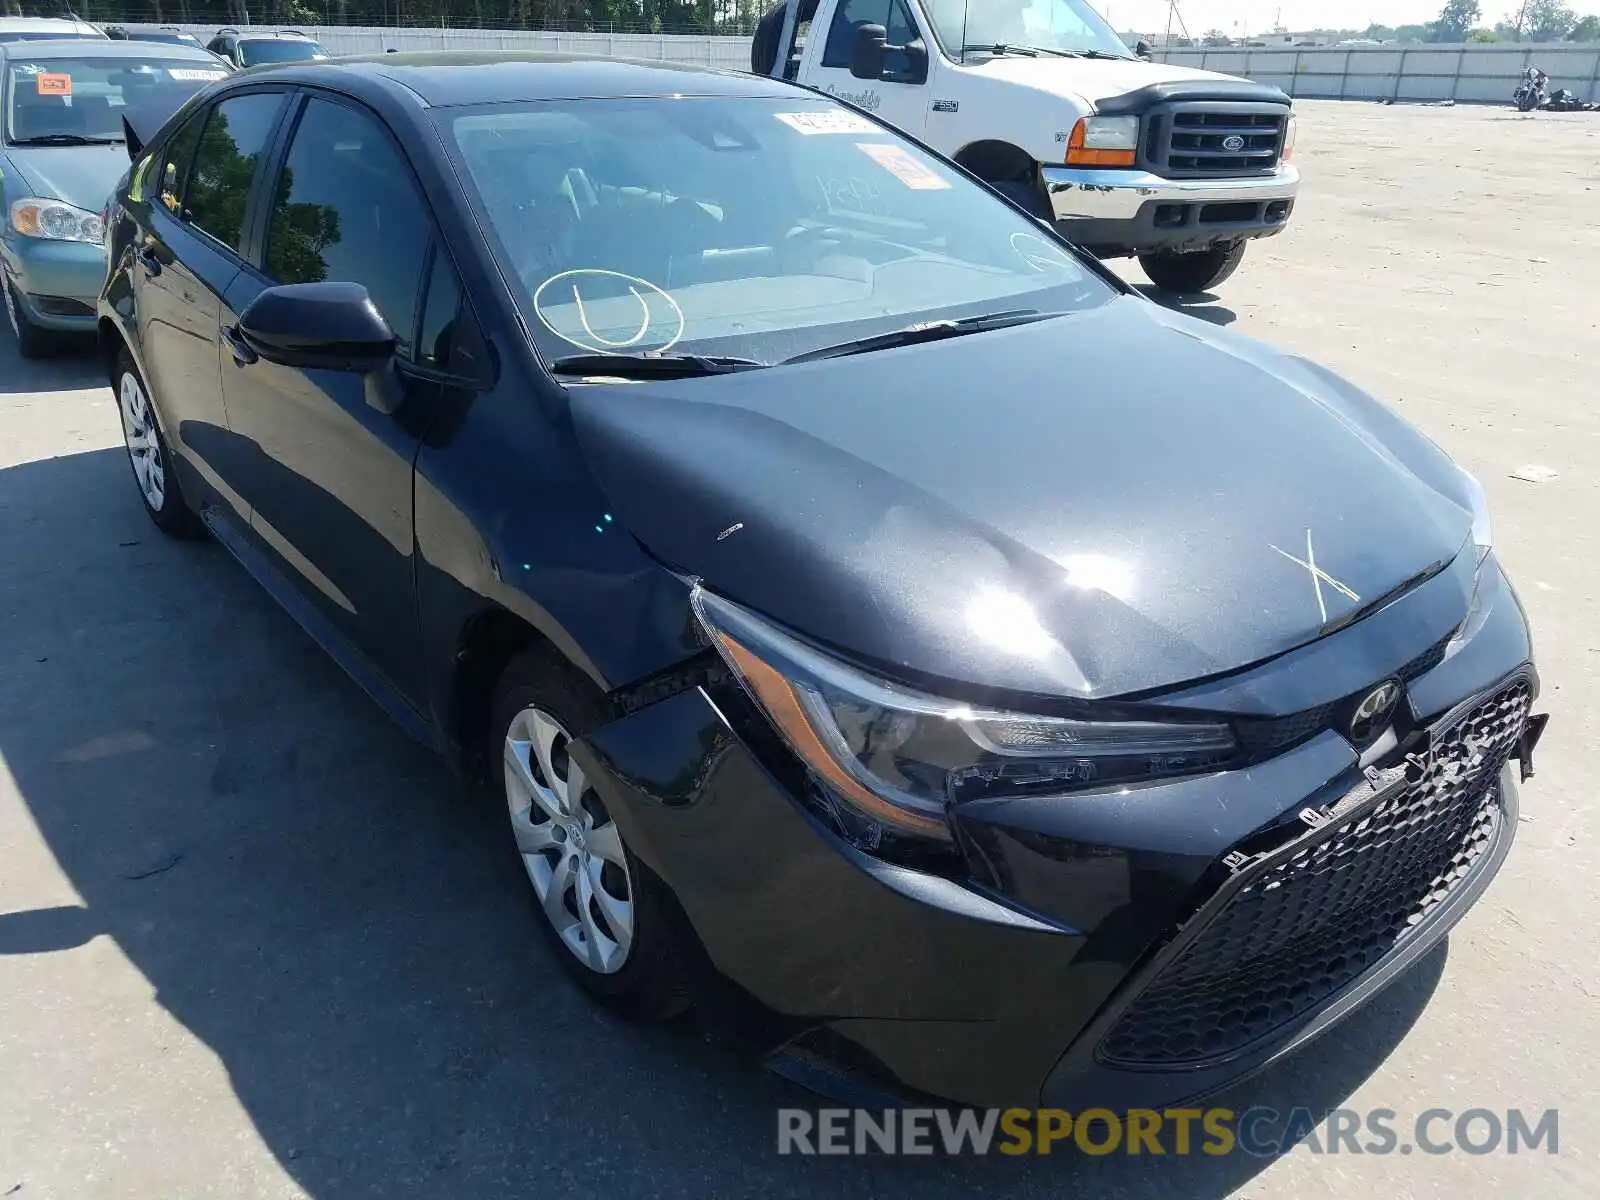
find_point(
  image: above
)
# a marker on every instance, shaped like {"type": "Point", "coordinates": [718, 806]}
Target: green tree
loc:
{"type": "Point", "coordinates": [1483, 37]}
{"type": "Point", "coordinates": [1217, 38]}
{"type": "Point", "coordinates": [1412, 33]}
{"type": "Point", "coordinates": [1548, 21]}
{"type": "Point", "coordinates": [1586, 30]}
{"type": "Point", "coordinates": [1456, 19]}
{"type": "Point", "coordinates": [1380, 33]}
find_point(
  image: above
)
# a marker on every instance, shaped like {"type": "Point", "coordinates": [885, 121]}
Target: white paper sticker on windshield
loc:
{"type": "Point", "coordinates": [831, 120]}
{"type": "Point", "coordinates": [898, 162]}
{"type": "Point", "coordinates": [195, 74]}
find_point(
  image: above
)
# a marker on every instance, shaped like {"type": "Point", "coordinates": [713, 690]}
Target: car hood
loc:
{"type": "Point", "coordinates": [1095, 505]}
{"type": "Point", "coordinates": [1093, 79]}
{"type": "Point", "coordinates": [82, 176]}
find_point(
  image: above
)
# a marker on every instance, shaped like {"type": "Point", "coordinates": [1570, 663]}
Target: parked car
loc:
{"type": "Point", "coordinates": [849, 589]}
{"type": "Point", "coordinates": [61, 152]}
{"type": "Point", "coordinates": [255, 47]}
{"type": "Point", "coordinates": [34, 29]}
{"type": "Point", "coordinates": [1041, 99]}
{"type": "Point", "coordinates": [169, 35]}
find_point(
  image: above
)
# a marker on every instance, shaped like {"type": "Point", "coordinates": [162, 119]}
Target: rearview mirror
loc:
{"type": "Point", "coordinates": [866, 52]}
{"type": "Point", "coordinates": [318, 326]}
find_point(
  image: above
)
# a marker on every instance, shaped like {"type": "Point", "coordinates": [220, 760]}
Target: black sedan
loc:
{"type": "Point", "coordinates": [878, 621]}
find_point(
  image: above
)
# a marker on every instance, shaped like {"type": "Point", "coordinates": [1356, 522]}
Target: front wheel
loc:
{"type": "Point", "coordinates": [33, 341]}
{"type": "Point", "coordinates": [1199, 271]}
{"type": "Point", "coordinates": [605, 915]}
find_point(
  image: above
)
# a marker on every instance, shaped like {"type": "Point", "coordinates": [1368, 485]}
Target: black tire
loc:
{"type": "Point", "coordinates": [33, 341]}
{"type": "Point", "coordinates": [1200, 271]}
{"type": "Point", "coordinates": [1025, 193]}
{"type": "Point", "coordinates": [1527, 101]}
{"type": "Point", "coordinates": [764, 46]}
{"type": "Point", "coordinates": [172, 516]}
{"type": "Point", "coordinates": [652, 982]}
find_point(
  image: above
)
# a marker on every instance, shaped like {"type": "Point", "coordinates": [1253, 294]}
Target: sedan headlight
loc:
{"type": "Point", "coordinates": [1104, 142]}
{"type": "Point", "coordinates": [892, 760]}
{"type": "Point", "coordinates": [55, 221]}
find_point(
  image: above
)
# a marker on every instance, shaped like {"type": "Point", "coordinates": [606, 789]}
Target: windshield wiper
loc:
{"type": "Point", "coordinates": [1105, 54]}
{"type": "Point", "coordinates": [927, 331]}
{"type": "Point", "coordinates": [1004, 48]}
{"type": "Point", "coordinates": [64, 139]}
{"type": "Point", "coordinates": [652, 366]}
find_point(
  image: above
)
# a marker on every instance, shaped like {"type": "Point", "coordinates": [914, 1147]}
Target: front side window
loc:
{"type": "Point", "coordinates": [761, 228]}
{"type": "Point", "coordinates": [234, 138]}
{"type": "Point", "coordinates": [851, 15]}
{"type": "Point", "coordinates": [1060, 26]}
{"type": "Point", "coordinates": [279, 50]}
{"type": "Point", "coordinates": [70, 100]}
{"type": "Point", "coordinates": [347, 210]}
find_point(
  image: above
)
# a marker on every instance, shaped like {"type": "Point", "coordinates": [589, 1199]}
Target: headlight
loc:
{"type": "Point", "coordinates": [55, 221]}
{"type": "Point", "coordinates": [892, 760]}
{"type": "Point", "coordinates": [1104, 142]}
{"type": "Point", "coordinates": [1482, 524]}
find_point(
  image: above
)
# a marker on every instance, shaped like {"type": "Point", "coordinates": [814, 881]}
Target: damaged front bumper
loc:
{"type": "Point", "coordinates": [1118, 948]}
{"type": "Point", "coordinates": [1136, 212]}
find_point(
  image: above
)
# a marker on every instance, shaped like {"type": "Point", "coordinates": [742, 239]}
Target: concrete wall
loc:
{"type": "Point", "coordinates": [1463, 73]}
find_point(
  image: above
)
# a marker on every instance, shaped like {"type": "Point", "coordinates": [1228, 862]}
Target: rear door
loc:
{"type": "Point", "coordinates": [901, 95]}
{"type": "Point", "coordinates": [330, 476]}
{"type": "Point", "coordinates": [189, 253]}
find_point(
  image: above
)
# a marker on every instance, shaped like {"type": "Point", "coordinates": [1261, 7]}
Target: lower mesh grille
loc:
{"type": "Point", "coordinates": [1304, 929]}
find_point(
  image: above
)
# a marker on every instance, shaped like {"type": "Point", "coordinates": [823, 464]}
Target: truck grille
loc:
{"type": "Point", "coordinates": [1198, 140]}
{"type": "Point", "coordinates": [1304, 929]}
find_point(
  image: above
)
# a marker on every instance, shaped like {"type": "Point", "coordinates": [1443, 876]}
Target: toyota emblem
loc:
{"type": "Point", "coordinates": [1233, 143]}
{"type": "Point", "coordinates": [1374, 710]}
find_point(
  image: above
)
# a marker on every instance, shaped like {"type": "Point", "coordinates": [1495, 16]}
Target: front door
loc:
{"type": "Point", "coordinates": [900, 97]}
{"type": "Point", "coordinates": [187, 258]}
{"type": "Point", "coordinates": [327, 475]}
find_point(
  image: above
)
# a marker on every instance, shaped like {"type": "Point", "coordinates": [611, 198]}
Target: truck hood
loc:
{"type": "Point", "coordinates": [1101, 504]}
{"type": "Point", "coordinates": [82, 176]}
{"type": "Point", "coordinates": [1091, 79]}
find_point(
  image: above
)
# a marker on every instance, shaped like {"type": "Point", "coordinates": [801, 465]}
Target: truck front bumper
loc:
{"type": "Point", "coordinates": [1135, 212]}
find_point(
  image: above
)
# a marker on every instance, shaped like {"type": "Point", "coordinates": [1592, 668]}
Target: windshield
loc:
{"type": "Point", "coordinates": [278, 50]}
{"type": "Point", "coordinates": [170, 39]}
{"type": "Point", "coordinates": [1070, 26]}
{"type": "Point", "coordinates": [84, 98]}
{"type": "Point", "coordinates": [757, 228]}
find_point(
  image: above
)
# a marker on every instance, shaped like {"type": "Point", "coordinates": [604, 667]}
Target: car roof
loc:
{"type": "Point", "coordinates": [269, 35]}
{"type": "Point", "coordinates": [442, 79]}
{"type": "Point", "coordinates": [45, 50]}
{"type": "Point", "coordinates": [67, 25]}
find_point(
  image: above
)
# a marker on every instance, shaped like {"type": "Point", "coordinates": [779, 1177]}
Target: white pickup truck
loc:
{"type": "Point", "coordinates": [1043, 101]}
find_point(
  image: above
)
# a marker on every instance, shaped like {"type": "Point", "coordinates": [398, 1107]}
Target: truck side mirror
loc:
{"type": "Point", "coordinates": [866, 52]}
{"type": "Point", "coordinates": [1143, 50]}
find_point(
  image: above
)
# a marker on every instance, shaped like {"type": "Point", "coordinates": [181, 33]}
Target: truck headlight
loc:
{"type": "Point", "coordinates": [892, 760]}
{"type": "Point", "coordinates": [55, 221]}
{"type": "Point", "coordinates": [1104, 142]}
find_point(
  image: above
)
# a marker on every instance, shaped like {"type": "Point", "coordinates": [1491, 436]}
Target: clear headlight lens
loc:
{"type": "Point", "coordinates": [1104, 142]}
{"type": "Point", "coordinates": [893, 759]}
{"type": "Point", "coordinates": [55, 221]}
{"type": "Point", "coordinates": [1482, 523]}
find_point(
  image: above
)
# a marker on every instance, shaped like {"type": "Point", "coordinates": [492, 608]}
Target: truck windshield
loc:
{"type": "Point", "coordinates": [756, 228]}
{"type": "Point", "coordinates": [1063, 26]}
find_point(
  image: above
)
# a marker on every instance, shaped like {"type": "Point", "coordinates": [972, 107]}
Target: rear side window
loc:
{"type": "Point", "coordinates": [234, 139]}
{"type": "Point", "coordinates": [346, 209]}
{"type": "Point", "coordinates": [175, 162]}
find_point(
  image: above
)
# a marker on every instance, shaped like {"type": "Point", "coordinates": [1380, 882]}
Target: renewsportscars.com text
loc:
{"type": "Point", "coordinates": [1261, 1132]}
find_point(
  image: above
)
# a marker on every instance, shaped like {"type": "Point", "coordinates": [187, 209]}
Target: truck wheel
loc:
{"type": "Point", "coordinates": [1199, 271]}
{"type": "Point", "coordinates": [1026, 194]}
{"type": "Point", "coordinates": [764, 46]}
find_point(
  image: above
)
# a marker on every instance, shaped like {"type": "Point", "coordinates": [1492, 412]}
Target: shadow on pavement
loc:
{"type": "Point", "coordinates": [1197, 304]}
{"type": "Point", "coordinates": [76, 364]}
{"type": "Point", "coordinates": [321, 903]}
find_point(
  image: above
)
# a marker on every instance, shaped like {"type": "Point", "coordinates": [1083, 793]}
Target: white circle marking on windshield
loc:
{"type": "Point", "coordinates": [1040, 254]}
{"type": "Point", "coordinates": [597, 343]}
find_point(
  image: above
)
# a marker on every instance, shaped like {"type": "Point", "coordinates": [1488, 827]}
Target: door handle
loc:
{"type": "Point", "coordinates": [148, 260]}
{"type": "Point", "coordinates": [243, 356]}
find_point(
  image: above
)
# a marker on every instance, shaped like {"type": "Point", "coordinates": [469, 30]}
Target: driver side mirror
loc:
{"type": "Point", "coordinates": [867, 52]}
{"type": "Point", "coordinates": [318, 326]}
{"type": "Point", "coordinates": [1144, 50]}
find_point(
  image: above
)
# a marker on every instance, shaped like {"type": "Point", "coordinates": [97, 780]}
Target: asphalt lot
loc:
{"type": "Point", "coordinates": [253, 942]}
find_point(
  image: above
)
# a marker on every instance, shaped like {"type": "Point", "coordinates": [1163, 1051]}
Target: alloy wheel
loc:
{"type": "Point", "coordinates": [144, 446]}
{"type": "Point", "coordinates": [570, 847]}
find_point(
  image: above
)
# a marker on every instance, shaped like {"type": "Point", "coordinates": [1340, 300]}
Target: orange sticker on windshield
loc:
{"type": "Point", "coordinates": [54, 85]}
{"type": "Point", "coordinates": [898, 162]}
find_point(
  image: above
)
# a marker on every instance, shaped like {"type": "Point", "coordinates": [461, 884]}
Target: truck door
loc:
{"type": "Point", "coordinates": [901, 95]}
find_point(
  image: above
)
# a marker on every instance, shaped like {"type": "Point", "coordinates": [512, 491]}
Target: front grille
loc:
{"type": "Point", "coordinates": [1305, 928]}
{"type": "Point", "coordinates": [1192, 140]}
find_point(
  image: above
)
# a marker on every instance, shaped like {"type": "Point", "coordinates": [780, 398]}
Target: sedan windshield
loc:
{"type": "Point", "coordinates": [255, 51]}
{"type": "Point", "coordinates": [756, 229]}
{"type": "Point", "coordinates": [1061, 26]}
{"type": "Point", "coordinates": [68, 100]}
